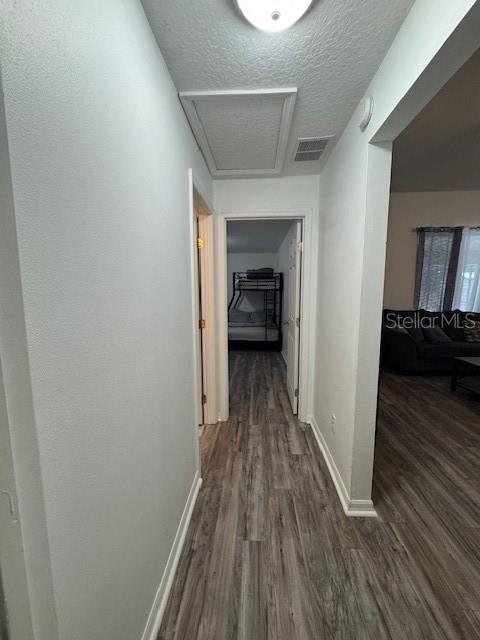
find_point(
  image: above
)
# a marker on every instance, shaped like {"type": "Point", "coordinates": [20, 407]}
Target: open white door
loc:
{"type": "Point", "coordinates": [293, 334]}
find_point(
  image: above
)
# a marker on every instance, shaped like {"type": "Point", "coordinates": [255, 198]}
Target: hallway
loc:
{"type": "Point", "coordinates": [270, 554]}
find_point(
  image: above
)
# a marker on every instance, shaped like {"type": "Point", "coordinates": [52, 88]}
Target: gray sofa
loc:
{"type": "Point", "coordinates": [411, 342]}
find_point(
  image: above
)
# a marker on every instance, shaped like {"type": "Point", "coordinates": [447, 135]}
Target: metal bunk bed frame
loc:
{"type": "Point", "coordinates": [271, 284]}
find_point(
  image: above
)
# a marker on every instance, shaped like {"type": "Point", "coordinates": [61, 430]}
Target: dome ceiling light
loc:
{"type": "Point", "coordinates": [273, 15]}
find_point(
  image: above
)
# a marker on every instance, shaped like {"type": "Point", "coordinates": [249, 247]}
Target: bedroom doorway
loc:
{"type": "Point", "coordinates": [264, 270]}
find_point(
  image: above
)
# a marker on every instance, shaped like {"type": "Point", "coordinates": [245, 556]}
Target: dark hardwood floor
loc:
{"type": "Point", "coordinates": [269, 553]}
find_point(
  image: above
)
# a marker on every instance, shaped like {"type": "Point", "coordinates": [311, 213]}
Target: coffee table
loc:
{"type": "Point", "coordinates": [466, 375]}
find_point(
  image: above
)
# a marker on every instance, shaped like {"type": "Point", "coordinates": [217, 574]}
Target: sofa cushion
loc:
{"type": "Point", "coordinates": [416, 334]}
{"type": "Point", "coordinates": [455, 332]}
{"type": "Point", "coordinates": [430, 319]}
{"type": "Point", "coordinates": [436, 334]}
{"type": "Point", "coordinates": [452, 324]}
{"type": "Point", "coordinates": [396, 331]}
{"type": "Point", "coordinates": [436, 349]}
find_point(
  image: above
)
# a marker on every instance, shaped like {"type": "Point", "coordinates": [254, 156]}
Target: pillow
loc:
{"type": "Point", "coordinates": [455, 333]}
{"type": "Point", "coordinates": [416, 333]}
{"type": "Point", "coordinates": [472, 331]}
{"type": "Point", "coordinates": [399, 331]}
{"type": "Point", "coordinates": [435, 334]}
{"type": "Point", "coordinates": [237, 316]}
{"type": "Point", "coordinates": [257, 318]}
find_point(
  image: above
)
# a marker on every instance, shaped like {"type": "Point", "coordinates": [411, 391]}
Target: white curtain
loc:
{"type": "Point", "coordinates": [467, 286]}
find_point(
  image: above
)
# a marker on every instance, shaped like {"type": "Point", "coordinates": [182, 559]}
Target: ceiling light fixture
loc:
{"type": "Point", "coordinates": [273, 15]}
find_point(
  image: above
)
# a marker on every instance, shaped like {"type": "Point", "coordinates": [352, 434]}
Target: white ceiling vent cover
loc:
{"type": "Point", "coordinates": [311, 148]}
{"type": "Point", "coordinates": [241, 132]}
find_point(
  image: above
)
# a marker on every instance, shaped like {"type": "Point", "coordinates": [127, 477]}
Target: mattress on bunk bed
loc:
{"type": "Point", "coordinates": [239, 318]}
{"type": "Point", "coordinates": [250, 325]}
{"type": "Point", "coordinates": [253, 334]}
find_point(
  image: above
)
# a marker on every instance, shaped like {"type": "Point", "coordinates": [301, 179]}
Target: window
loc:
{"type": "Point", "coordinates": [448, 269]}
{"type": "Point", "coordinates": [467, 286]}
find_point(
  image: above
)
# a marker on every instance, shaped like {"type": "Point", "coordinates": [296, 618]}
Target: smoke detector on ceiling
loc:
{"type": "Point", "coordinates": [310, 148]}
{"type": "Point", "coordinates": [366, 108]}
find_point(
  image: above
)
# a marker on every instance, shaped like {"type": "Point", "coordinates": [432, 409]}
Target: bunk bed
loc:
{"type": "Point", "coordinates": [259, 327]}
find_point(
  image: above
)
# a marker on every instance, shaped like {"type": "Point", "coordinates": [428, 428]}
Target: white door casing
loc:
{"type": "Point", "coordinates": [309, 256]}
{"type": "Point", "coordinates": [199, 343]}
{"type": "Point", "coordinates": [203, 306]}
{"type": "Point", "coordinates": [293, 331]}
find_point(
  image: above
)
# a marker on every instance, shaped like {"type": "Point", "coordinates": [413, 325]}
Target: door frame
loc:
{"type": "Point", "coordinates": [294, 311]}
{"type": "Point", "coordinates": [198, 199]}
{"type": "Point", "coordinates": [308, 291]}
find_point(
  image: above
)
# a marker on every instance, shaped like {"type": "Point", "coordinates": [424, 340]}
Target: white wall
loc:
{"type": "Point", "coordinates": [409, 211]}
{"type": "Point", "coordinates": [266, 194]}
{"type": "Point", "coordinates": [354, 207]}
{"type": "Point", "coordinates": [99, 152]}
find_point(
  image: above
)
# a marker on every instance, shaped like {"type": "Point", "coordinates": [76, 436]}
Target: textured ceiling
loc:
{"type": "Point", "coordinates": [330, 55]}
{"type": "Point", "coordinates": [440, 149]}
{"type": "Point", "coordinates": [256, 236]}
{"type": "Point", "coordinates": [225, 122]}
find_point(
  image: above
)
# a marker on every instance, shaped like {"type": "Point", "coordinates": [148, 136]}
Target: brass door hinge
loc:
{"type": "Point", "coordinates": [297, 322]}
{"type": "Point", "coordinates": [300, 247]}
{"type": "Point", "coordinates": [202, 324]}
{"type": "Point", "coordinates": [200, 243]}
{"type": "Point", "coordinates": [296, 393]}
{"type": "Point", "coordinates": [204, 399]}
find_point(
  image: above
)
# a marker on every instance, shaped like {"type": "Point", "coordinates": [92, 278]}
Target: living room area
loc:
{"type": "Point", "coordinates": [427, 451]}
{"type": "Point", "coordinates": [431, 312]}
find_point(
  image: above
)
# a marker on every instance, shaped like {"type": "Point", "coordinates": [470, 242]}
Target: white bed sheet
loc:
{"type": "Point", "coordinates": [255, 334]}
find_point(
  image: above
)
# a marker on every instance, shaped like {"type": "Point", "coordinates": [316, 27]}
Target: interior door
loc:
{"type": "Point", "coordinates": [293, 333]}
{"type": "Point", "coordinates": [200, 321]}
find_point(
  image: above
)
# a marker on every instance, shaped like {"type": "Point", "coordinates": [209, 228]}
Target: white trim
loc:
{"type": "Point", "coordinates": [308, 297]}
{"type": "Point", "coordinates": [196, 390]}
{"type": "Point", "coordinates": [160, 602]}
{"type": "Point", "coordinates": [211, 409]}
{"type": "Point", "coordinates": [188, 100]}
{"type": "Point", "coordinates": [352, 507]}
{"type": "Point", "coordinates": [208, 293]}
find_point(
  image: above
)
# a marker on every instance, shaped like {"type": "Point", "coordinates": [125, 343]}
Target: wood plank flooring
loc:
{"type": "Point", "coordinates": [269, 553]}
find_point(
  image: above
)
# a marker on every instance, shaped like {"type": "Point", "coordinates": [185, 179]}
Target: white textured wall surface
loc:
{"type": "Point", "coordinates": [409, 211]}
{"type": "Point", "coordinates": [100, 151]}
{"type": "Point", "coordinates": [342, 189]}
{"type": "Point", "coordinates": [293, 194]}
{"type": "Point", "coordinates": [353, 214]}
{"type": "Point", "coordinates": [24, 557]}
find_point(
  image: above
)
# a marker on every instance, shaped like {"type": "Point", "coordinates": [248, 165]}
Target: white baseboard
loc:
{"type": "Point", "coordinates": [352, 508]}
{"type": "Point", "coordinates": [158, 608]}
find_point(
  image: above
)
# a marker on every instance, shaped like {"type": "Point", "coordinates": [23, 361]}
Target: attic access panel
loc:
{"type": "Point", "coordinates": [241, 132]}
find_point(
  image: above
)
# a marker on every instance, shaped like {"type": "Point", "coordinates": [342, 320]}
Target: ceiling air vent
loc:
{"type": "Point", "coordinates": [310, 148]}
